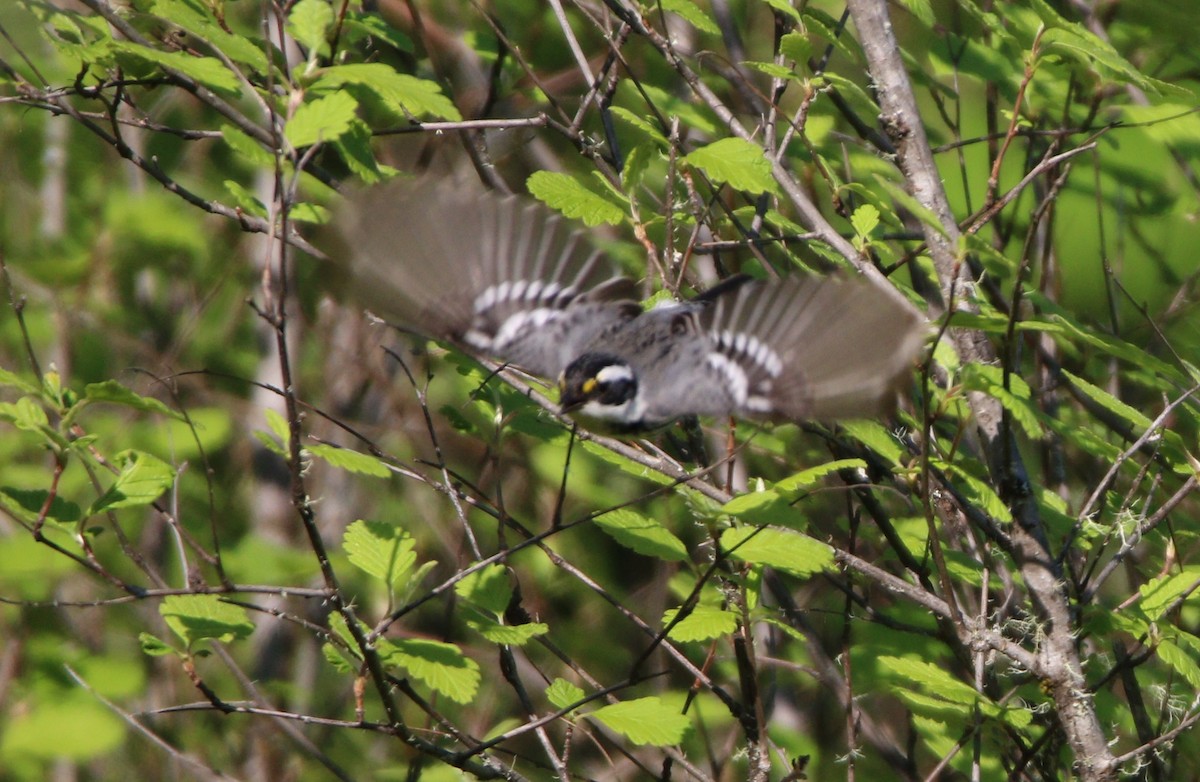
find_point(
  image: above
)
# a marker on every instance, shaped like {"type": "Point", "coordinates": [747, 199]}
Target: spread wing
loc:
{"type": "Point", "coordinates": [500, 275]}
{"type": "Point", "coordinates": [804, 349]}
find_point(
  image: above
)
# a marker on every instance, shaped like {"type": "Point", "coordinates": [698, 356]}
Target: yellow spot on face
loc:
{"type": "Point", "coordinates": [589, 385]}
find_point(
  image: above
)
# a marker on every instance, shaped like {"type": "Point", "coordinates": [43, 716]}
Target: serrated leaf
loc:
{"type": "Point", "coordinates": [334, 657]}
{"type": "Point", "coordinates": [929, 677]}
{"type": "Point", "coordinates": [646, 721]}
{"type": "Point", "coordinates": [13, 379]}
{"type": "Point", "coordinates": [351, 461]}
{"type": "Point", "coordinates": [309, 23]}
{"type": "Point", "coordinates": [197, 617]}
{"type": "Point", "coordinates": [26, 414]}
{"type": "Point", "coordinates": [689, 11]}
{"type": "Point", "coordinates": [982, 495]}
{"type": "Point", "coordinates": [642, 535]}
{"type": "Point", "coordinates": [642, 125]}
{"type": "Point", "coordinates": [380, 550]}
{"type": "Point", "coordinates": [741, 164]}
{"type": "Point", "coordinates": [783, 550]}
{"type": "Point", "coordinates": [625, 464]}
{"type": "Point", "coordinates": [1180, 660]}
{"type": "Point", "coordinates": [807, 479]}
{"type": "Point", "coordinates": [488, 588]}
{"type": "Point", "coordinates": [922, 9]}
{"type": "Point", "coordinates": [323, 119]}
{"type": "Point", "coordinates": [864, 220]}
{"type": "Point", "coordinates": [154, 646]}
{"type": "Point", "coordinates": [143, 478]}
{"type": "Point", "coordinates": [1161, 592]}
{"type": "Point", "coordinates": [763, 507]}
{"type": "Point", "coordinates": [877, 437]}
{"type": "Point", "coordinates": [375, 26]}
{"type": "Point", "coordinates": [796, 47]}
{"type": "Point", "coordinates": [774, 70]}
{"type": "Point", "coordinates": [704, 623]}
{"type": "Point", "coordinates": [784, 8]}
{"type": "Point", "coordinates": [440, 666]}
{"type": "Point", "coordinates": [114, 392]}
{"type": "Point", "coordinates": [207, 71]}
{"type": "Point", "coordinates": [566, 194]}
{"type": "Point", "coordinates": [236, 47]}
{"type": "Point", "coordinates": [245, 199]}
{"type": "Point", "coordinates": [1016, 399]}
{"type": "Point", "coordinates": [1110, 402]}
{"type": "Point", "coordinates": [562, 693]}
{"type": "Point", "coordinates": [27, 504]}
{"type": "Point", "coordinates": [508, 635]}
{"type": "Point", "coordinates": [279, 426]}
{"type": "Point", "coordinates": [404, 95]}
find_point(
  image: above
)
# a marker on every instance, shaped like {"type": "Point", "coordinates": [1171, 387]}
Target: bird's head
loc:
{"type": "Point", "coordinates": [600, 386]}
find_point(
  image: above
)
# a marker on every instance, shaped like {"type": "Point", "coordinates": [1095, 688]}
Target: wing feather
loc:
{"type": "Point", "coordinates": [501, 275]}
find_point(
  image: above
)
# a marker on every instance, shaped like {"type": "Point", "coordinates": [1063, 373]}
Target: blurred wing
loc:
{"type": "Point", "coordinates": [499, 274]}
{"type": "Point", "coordinates": [807, 349]}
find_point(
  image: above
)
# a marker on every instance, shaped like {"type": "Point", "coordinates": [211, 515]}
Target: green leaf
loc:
{"type": "Point", "coordinates": [309, 24]}
{"type": "Point", "coordinates": [508, 635]}
{"type": "Point", "coordinates": [864, 220]}
{"type": "Point", "coordinates": [236, 47]}
{"type": "Point", "coordinates": [13, 379]}
{"type": "Point", "coordinates": [197, 617]}
{"type": "Point", "coordinates": [25, 414]}
{"type": "Point", "coordinates": [796, 47]}
{"type": "Point", "coordinates": [360, 25]}
{"type": "Point", "coordinates": [562, 693]}
{"type": "Point", "coordinates": [488, 588]}
{"type": "Point", "coordinates": [142, 479]}
{"type": "Point", "coordinates": [922, 9]}
{"type": "Point", "coordinates": [380, 550]}
{"type": "Point", "coordinates": [1016, 399]}
{"type": "Point", "coordinates": [878, 438]}
{"type": "Point", "coordinates": [743, 165]}
{"type": "Point", "coordinates": [206, 71]}
{"type": "Point", "coordinates": [783, 550]}
{"type": "Point", "coordinates": [932, 678]}
{"type": "Point", "coordinates": [27, 504]}
{"type": "Point", "coordinates": [566, 194]}
{"type": "Point", "coordinates": [704, 623]}
{"type": "Point", "coordinates": [646, 721]}
{"type": "Point", "coordinates": [351, 461]}
{"type": "Point", "coordinates": [63, 728]}
{"type": "Point", "coordinates": [689, 11]}
{"type": "Point", "coordinates": [245, 199]}
{"type": "Point", "coordinates": [117, 394]}
{"type": "Point", "coordinates": [641, 124]}
{"type": "Point", "coordinates": [440, 666]}
{"type": "Point", "coordinates": [323, 119]}
{"type": "Point", "coordinates": [784, 8]}
{"type": "Point", "coordinates": [405, 96]}
{"type": "Point", "coordinates": [1181, 661]}
{"type": "Point", "coordinates": [774, 70]}
{"type": "Point", "coordinates": [1109, 402]}
{"type": "Point", "coordinates": [765, 506]}
{"type": "Point", "coordinates": [1160, 593]}
{"type": "Point", "coordinates": [154, 646]}
{"type": "Point", "coordinates": [333, 655]}
{"type": "Point", "coordinates": [793, 485]}
{"type": "Point", "coordinates": [642, 535]}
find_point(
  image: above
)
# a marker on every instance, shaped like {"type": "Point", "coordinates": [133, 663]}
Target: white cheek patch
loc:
{"type": "Point", "coordinates": [736, 382]}
{"type": "Point", "coordinates": [626, 412]}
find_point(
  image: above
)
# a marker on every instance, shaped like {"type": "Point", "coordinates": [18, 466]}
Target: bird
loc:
{"type": "Point", "coordinates": [506, 277]}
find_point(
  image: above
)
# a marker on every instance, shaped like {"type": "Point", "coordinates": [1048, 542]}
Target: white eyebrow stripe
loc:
{"type": "Point", "coordinates": [614, 372]}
